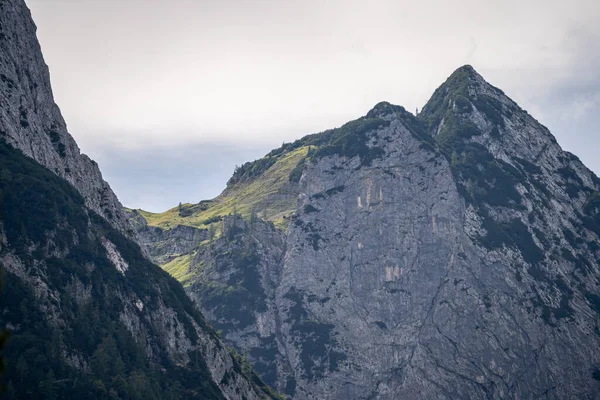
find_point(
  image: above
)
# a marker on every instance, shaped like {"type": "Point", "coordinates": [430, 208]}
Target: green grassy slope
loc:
{"type": "Point", "coordinates": [263, 187]}
{"type": "Point", "coordinates": [268, 187]}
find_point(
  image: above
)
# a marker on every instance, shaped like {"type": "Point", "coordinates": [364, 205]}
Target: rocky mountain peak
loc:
{"type": "Point", "coordinates": [384, 110]}
{"type": "Point", "coordinates": [468, 102]}
{"type": "Point", "coordinates": [468, 113]}
{"type": "Point", "coordinates": [453, 254]}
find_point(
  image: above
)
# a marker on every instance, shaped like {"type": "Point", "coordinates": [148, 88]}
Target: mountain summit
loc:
{"type": "Point", "coordinates": [454, 254]}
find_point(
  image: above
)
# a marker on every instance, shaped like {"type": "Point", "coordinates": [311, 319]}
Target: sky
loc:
{"type": "Point", "coordinates": [169, 96]}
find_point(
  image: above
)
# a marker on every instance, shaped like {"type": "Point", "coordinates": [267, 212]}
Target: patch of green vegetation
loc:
{"type": "Point", "coordinates": [462, 104]}
{"type": "Point", "coordinates": [296, 173]}
{"type": "Point", "coordinates": [329, 192]}
{"type": "Point", "coordinates": [242, 366]}
{"type": "Point", "coordinates": [234, 302]}
{"type": "Point", "coordinates": [265, 187]}
{"type": "Point", "coordinates": [58, 145]}
{"type": "Point", "coordinates": [484, 179]}
{"type": "Point", "coordinates": [351, 140]}
{"type": "Point", "coordinates": [594, 301]}
{"type": "Point", "coordinates": [211, 220]}
{"type": "Point", "coordinates": [455, 130]}
{"type": "Point", "coordinates": [179, 268]}
{"type": "Point", "coordinates": [457, 85]}
{"type": "Point", "coordinates": [491, 108]}
{"type": "Point", "coordinates": [384, 108]}
{"type": "Point", "coordinates": [573, 183]}
{"type": "Point", "coordinates": [591, 213]}
{"type": "Point", "coordinates": [251, 170]}
{"type": "Point", "coordinates": [309, 208]}
{"type": "Point", "coordinates": [452, 102]}
{"type": "Point", "coordinates": [43, 212]}
{"type": "Point", "coordinates": [264, 359]}
{"type": "Point", "coordinates": [317, 340]}
{"type": "Point", "coordinates": [290, 386]}
{"type": "Point", "coordinates": [34, 201]}
{"type": "Point", "coordinates": [512, 234]}
{"type": "Point", "coordinates": [264, 194]}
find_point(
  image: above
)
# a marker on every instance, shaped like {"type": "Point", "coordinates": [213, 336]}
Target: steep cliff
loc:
{"type": "Point", "coordinates": [454, 254]}
{"type": "Point", "coordinates": [32, 122]}
{"type": "Point", "coordinates": [88, 315]}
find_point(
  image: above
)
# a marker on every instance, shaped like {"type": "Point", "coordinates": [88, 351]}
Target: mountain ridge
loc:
{"type": "Point", "coordinates": [463, 241]}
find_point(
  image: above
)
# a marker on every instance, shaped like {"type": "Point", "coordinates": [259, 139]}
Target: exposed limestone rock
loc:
{"type": "Point", "coordinates": [164, 245]}
{"type": "Point", "coordinates": [456, 256]}
{"type": "Point", "coordinates": [32, 122]}
{"type": "Point", "coordinates": [114, 256]}
{"type": "Point", "coordinates": [79, 278]}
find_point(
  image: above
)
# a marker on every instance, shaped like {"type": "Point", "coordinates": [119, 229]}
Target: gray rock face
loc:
{"type": "Point", "coordinates": [74, 285]}
{"type": "Point", "coordinates": [454, 256]}
{"type": "Point", "coordinates": [81, 275]}
{"type": "Point", "coordinates": [235, 279]}
{"type": "Point", "coordinates": [164, 245]}
{"type": "Point", "coordinates": [32, 122]}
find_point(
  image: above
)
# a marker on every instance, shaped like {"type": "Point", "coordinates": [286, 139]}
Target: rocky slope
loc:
{"type": "Point", "coordinates": [164, 245]}
{"type": "Point", "coordinates": [89, 316]}
{"type": "Point", "coordinates": [32, 122]}
{"type": "Point", "coordinates": [450, 255]}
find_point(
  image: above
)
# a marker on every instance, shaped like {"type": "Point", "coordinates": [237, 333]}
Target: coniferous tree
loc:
{"type": "Point", "coordinates": [454, 159]}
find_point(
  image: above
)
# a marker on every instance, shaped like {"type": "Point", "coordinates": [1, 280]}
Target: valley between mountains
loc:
{"type": "Point", "coordinates": [452, 254]}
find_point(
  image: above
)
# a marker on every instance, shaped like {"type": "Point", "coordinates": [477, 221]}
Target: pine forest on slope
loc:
{"type": "Point", "coordinates": [88, 315]}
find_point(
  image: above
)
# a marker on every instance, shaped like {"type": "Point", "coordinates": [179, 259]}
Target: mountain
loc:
{"type": "Point", "coordinates": [89, 315]}
{"type": "Point", "coordinates": [452, 254]}
{"type": "Point", "coordinates": [32, 122]}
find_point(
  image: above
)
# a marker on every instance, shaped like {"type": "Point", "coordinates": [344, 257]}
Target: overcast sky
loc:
{"type": "Point", "coordinates": [168, 96]}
